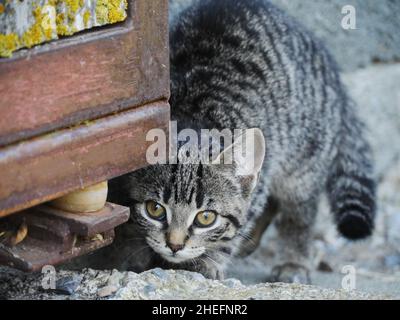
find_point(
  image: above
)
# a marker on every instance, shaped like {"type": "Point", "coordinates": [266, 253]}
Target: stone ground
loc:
{"type": "Point", "coordinates": [159, 284]}
{"type": "Point", "coordinates": [369, 58]}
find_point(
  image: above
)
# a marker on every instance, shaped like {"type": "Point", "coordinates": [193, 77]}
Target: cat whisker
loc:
{"type": "Point", "coordinates": [222, 255]}
{"type": "Point", "coordinates": [247, 237]}
{"type": "Point", "coordinates": [212, 260]}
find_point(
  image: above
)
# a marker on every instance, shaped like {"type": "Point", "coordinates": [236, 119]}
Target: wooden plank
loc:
{"type": "Point", "coordinates": [86, 76]}
{"type": "Point", "coordinates": [49, 166]}
{"type": "Point", "coordinates": [85, 224]}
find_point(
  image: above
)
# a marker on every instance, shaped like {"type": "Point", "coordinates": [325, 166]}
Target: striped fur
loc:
{"type": "Point", "coordinates": [245, 64]}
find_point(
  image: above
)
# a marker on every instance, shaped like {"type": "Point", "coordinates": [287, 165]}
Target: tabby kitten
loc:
{"type": "Point", "coordinates": [245, 64]}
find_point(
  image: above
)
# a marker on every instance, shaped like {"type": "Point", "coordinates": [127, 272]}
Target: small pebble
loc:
{"type": "Point", "coordinates": [231, 283]}
{"type": "Point", "coordinates": [324, 266]}
{"type": "Point", "coordinates": [150, 288]}
{"type": "Point", "coordinates": [160, 273]}
{"type": "Point", "coordinates": [68, 285]}
{"type": "Point", "coordinates": [195, 276]}
{"type": "Point", "coordinates": [107, 291]}
{"type": "Point", "coordinates": [115, 278]}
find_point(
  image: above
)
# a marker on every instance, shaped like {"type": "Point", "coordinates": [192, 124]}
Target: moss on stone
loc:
{"type": "Point", "coordinates": [73, 5]}
{"type": "Point", "coordinates": [117, 11]}
{"type": "Point", "coordinates": [34, 34]}
{"type": "Point", "coordinates": [44, 28]}
{"type": "Point", "coordinates": [110, 11]}
{"type": "Point", "coordinates": [48, 22]}
{"type": "Point", "coordinates": [86, 18]}
{"type": "Point", "coordinates": [8, 44]}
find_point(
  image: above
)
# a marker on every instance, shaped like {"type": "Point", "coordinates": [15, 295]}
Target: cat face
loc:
{"type": "Point", "coordinates": [188, 211]}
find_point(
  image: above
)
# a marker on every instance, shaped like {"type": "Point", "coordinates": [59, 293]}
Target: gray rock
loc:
{"type": "Point", "coordinates": [68, 285]}
{"type": "Point", "coordinates": [160, 273]}
{"type": "Point", "coordinates": [177, 284]}
{"type": "Point", "coordinates": [107, 291]}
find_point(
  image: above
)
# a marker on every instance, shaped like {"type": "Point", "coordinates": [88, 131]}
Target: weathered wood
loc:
{"type": "Point", "coordinates": [55, 236]}
{"type": "Point", "coordinates": [52, 165]}
{"type": "Point", "coordinates": [86, 76]}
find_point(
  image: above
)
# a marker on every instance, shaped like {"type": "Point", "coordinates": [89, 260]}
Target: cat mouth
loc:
{"type": "Point", "coordinates": [174, 258]}
{"type": "Point", "coordinates": [177, 257]}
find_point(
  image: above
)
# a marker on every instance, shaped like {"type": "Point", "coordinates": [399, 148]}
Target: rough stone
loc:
{"type": "Point", "coordinates": [106, 291]}
{"type": "Point", "coordinates": [168, 284]}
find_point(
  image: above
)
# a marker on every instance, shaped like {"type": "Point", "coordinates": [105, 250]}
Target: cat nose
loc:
{"type": "Point", "coordinates": [175, 239]}
{"type": "Point", "coordinates": [175, 247]}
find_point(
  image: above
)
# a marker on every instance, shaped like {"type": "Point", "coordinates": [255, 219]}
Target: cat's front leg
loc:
{"type": "Point", "coordinates": [215, 273]}
{"type": "Point", "coordinates": [294, 224]}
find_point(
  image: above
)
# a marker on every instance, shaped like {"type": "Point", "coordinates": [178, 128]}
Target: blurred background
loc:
{"type": "Point", "coordinates": [369, 58]}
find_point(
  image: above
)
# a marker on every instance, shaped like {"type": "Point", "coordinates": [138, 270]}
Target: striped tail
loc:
{"type": "Point", "coordinates": [351, 186]}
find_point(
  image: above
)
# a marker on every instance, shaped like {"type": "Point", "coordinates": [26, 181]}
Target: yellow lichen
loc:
{"type": "Point", "coordinates": [110, 11]}
{"type": "Point", "coordinates": [34, 34]}
{"type": "Point", "coordinates": [62, 29]}
{"type": "Point", "coordinates": [101, 12]}
{"type": "Point", "coordinates": [47, 23]}
{"type": "Point", "coordinates": [8, 44]}
{"type": "Point", "coordinates": [42, 29]}
{"type": "Point", "coordinates": [117, 13]}
{"type": "Point", "coordinates": [71, 18]}
{"type": "Point", "coordinates": [48, 33]}
{"type": "Point", "coordinates": [60, 19]}
{"type": "Point", "coordinates": [73, 5]}
{"type": "Point", "coordinates": [86, 18]}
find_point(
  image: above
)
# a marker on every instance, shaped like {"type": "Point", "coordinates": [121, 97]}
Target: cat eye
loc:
{"type": "Point", "coordinates": [155, 210]}
{"type": "Point", "coordinates": [205, 219]}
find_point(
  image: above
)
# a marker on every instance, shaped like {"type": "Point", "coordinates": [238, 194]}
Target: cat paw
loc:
{"type": "Point", "coordinates": [290, 273]}
{"type": "Point", "coordinates": [208, 271]}
{"type": "Point", "coordinates": [215, 274]}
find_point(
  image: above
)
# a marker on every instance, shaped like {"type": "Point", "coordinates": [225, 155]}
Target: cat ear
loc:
{"type": "Point", "coordinates": [246, 152]}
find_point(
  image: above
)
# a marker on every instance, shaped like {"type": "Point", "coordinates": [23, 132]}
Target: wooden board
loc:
{"type": "Point", "coordinates": [52, 165]}
{"type": "Point", "coordinates": [55, 236]}
{"type": "Point", "coordinates": [87, 76]}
